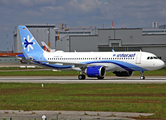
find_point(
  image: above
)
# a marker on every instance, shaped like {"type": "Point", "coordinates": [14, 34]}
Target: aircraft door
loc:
{"type": "Point", "coordinates": [138, 58]}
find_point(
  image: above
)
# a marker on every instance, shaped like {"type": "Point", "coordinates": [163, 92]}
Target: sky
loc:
{"type": "Point", "coordinates": [78, 13]}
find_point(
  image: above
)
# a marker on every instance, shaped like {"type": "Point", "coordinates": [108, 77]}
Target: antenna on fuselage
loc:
{"type": "Point", "coordinates": [113, 50]}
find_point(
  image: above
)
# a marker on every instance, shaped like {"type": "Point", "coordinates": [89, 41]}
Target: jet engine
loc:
{"type": "Point", "coordinates": [123, 73]}
{"type": "Point", "coordinates": [96, 71]}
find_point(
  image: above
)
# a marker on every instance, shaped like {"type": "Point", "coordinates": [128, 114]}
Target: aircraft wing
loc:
{"type": "Point", "coordinates": [76, 64]}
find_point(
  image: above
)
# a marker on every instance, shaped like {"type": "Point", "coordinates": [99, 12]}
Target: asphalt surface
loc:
{"type": "Point", "coordinates": [69, 115]}
{"type": "Point", "coordinates": [74, 79]}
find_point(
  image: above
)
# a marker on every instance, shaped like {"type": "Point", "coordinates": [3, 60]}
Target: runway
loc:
{"type": "Point", "coordinates": [74, 79]}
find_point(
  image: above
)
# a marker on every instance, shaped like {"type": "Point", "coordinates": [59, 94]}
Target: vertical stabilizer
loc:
{"type": "Point", "coordinates": [31, 48]}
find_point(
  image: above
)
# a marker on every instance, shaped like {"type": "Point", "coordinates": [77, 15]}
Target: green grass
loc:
{"type": "Point", "coordinates": [146, 98]}
{"type": "Point", "coordinates": [38, 72]}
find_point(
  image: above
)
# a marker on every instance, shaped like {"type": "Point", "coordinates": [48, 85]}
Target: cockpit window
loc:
{"type": "Point", "coordinates": [152, 57]}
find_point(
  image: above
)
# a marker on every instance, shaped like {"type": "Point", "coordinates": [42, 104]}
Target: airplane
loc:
{"type": "Point", "coordinates": [46, 48]}
{"type": "Point", "coordinates": [91, 64]}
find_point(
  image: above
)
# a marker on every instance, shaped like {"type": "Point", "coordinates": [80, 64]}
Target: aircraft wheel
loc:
{"type": "Point", "coordinates": [81, 77]}
{"type": "Point", "coordinates": [142, 77]}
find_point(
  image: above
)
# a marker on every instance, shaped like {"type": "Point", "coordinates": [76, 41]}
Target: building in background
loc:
{"type": "Point", "coordinates": [9, 58]}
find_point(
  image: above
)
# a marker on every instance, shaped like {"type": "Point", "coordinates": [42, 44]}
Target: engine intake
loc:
{"type": "Point", "coordinates": [123, 73]}
{"type": "Point", "coordinates": [95, 71]}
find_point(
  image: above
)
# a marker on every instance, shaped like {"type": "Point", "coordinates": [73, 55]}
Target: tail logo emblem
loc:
{"type": "Point", "coordinates": [28, 43]}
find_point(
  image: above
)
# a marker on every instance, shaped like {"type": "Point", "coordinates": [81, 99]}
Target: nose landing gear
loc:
{"type": "Point", "coordinates": [142, 75]}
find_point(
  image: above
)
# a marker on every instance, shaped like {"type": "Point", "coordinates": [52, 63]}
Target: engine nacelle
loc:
{"type": "Point", "coordinates": [123, 73]}
{"type": "Point", "coordinates": [95, 71]}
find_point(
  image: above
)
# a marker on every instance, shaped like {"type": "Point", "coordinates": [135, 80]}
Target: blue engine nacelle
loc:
{"type": "Point", "coordinates": [96, 71]}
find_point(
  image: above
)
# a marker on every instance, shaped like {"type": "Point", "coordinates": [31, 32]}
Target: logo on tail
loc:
{"type": "Point", "coordinates": [28, 43]}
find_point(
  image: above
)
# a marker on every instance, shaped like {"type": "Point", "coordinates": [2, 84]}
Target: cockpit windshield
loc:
{"type": "Point", "coordinates": [152, 57]}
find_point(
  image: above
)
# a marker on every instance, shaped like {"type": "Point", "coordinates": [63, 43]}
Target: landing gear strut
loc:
{"type": "Point", "coordinates": [142, 75]}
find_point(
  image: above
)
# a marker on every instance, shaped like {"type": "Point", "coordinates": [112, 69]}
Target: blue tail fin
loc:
{"type": "Point", "coordinates": [30, 46]}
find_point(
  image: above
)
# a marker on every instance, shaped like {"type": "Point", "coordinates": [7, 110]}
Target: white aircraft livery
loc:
{"type": "Point", "coordinates": [91, 64]}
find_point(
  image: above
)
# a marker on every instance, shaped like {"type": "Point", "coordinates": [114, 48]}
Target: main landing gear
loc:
{"type": "Point", "coordinates": [142, 75]}
{"type": "Point", "coordinates": [82, 76]}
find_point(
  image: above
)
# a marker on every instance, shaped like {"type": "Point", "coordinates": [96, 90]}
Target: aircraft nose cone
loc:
{"type": "Point", "coordinates": [161, 64]}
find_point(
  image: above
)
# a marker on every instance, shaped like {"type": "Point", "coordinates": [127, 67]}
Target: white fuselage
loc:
{"type": "Point", "coordinates": [113, 61]}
